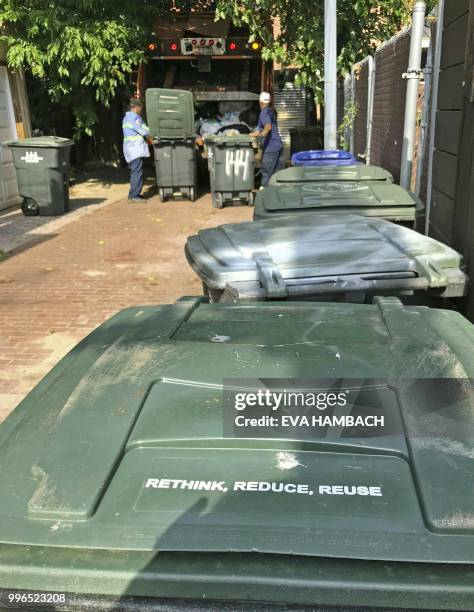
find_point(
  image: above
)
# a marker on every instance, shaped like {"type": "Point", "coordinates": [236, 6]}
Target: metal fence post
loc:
{"type": "Point", "coordinates": [424, 119]}
{"type": "Point", "coordinates": [330, 74]}
{"type": "Point", "coordinates": [413, 75]}
{"type": "Point", "coordinates": [434, 106]}
{"type": "Point", "coordinates": [351, 148]}
{"type": "Point", "coordinates": [370, 103]}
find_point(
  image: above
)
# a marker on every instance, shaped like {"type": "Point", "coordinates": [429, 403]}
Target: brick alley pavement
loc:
{"type": "Point", "coordinates": [75, 272]}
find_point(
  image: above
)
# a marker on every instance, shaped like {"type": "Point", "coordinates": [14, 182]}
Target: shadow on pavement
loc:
{"type": "Point", "coordinates": [77, 203]}
{"type": "Point", "coordinates": [104, 177]}
{"type": "Point", "coordinates": [18, 232]}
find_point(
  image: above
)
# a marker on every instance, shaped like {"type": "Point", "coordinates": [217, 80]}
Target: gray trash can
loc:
{"type": "Point", "coordinates": [231, 162]}
{"type": "Point", "coordinates": [42, 165]}
{"type": "Point", "coordinates": [175, 168]}
{"type": "Point", "coordinates": [322, 257]}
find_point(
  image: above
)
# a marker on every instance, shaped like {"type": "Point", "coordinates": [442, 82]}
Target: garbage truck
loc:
{"type": "Point", "coordinates": [221, 68]}
{"type": "Point", "coordinates": [215, 60]}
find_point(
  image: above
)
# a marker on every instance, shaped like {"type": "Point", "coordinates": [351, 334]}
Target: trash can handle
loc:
{"type": "Point", "coordinates": [437, 277]}
{"type": "Point", "coordinates": [270, 276]}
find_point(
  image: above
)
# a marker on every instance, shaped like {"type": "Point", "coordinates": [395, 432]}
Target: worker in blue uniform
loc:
{"type": "Point", "coordinates": [272, 145]}
{"type": "Point", "coordinates": [136, 134]}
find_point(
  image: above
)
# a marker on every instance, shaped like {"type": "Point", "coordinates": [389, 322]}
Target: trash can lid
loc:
{"type": "Point", "coordinates": [322, 157]}
{"type": "Point", "coordinates": [120, 452]}
{"type": "Point", "coordinates": [106, 450]}
{"type": "Point", "coordinates": [333, 195]}
{"type": "Point", "coordinates": [221, 139]}
{"type": "Point", "coordinates": [312, 174]}
{"type": "Point", "coordinates": [170, 113]}
{"type": "Point", "coordinates": [322, 254]}
{"type": "Point", "coordinates": [51, 142]}
{"type": "Point", "coordinates": [323, 154]}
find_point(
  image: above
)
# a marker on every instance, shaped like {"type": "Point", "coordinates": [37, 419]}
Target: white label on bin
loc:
{"type": "Point", "coordinates": [262, 487]}
{"type": "Point", "coordinates": [31, 157]}
{"type": "Point", "coordinates": [237, 163]}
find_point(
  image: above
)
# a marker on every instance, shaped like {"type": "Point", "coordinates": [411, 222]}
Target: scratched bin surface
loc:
{"type": "Point", "coordinates": [117, 468]}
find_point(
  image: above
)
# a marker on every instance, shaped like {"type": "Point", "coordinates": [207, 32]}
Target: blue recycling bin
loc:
{"type": "Point", "coordinates": [323, 158]}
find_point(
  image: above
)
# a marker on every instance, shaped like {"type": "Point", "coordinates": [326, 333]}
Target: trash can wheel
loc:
{"type": "Point", "coordinates": [251, 199]}
{"type": "Point", "coordinates": [219, 199]}
{"type": "Point", "coordinates": [161, 194]}
{"type": "Point", "coordinates": [29, 207]}
{"type": "Point", "coordinates": [192, 194]}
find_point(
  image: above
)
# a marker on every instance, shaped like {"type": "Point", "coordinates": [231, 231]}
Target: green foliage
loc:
{"type": "Point", "coordinates": [347, 124]}
{"type": "Point", "coordinates": [81, 51]}
{"type": "Point", "coordinates": [362, 24]}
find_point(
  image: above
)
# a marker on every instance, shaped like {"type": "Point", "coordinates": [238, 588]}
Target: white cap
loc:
{"type": "Point", "coordinates": [265, 97]}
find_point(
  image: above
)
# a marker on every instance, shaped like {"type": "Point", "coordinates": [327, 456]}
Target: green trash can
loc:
{"type": "Point", "coordinates": [125, 474]}
{"type": "Point", "coordinates": [42, 166]}
{"type": "Point", "coordinates": [368, 198]}
{"type": "Point", "coordinates": [323, 257]}
{"type": "Point", "coordinates": [231, 163]}
{"type": "Point", "coordinates": [170, 113]}
{"type": "Point", "coordinates": [175, 168]}
{"type": "Point", "coordinates": [296, 175]}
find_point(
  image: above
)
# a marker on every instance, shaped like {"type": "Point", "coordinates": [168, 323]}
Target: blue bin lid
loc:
{"type": "Point", "coordinates": [322, 157]}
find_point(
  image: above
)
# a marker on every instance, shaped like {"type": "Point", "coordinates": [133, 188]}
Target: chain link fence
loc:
{"type": "Point", "coordinates": [375, 92]}
{"type": "Point", "coordinates": [361, 97]}
{"type": "Point", "coordinates": [346, 135]}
